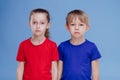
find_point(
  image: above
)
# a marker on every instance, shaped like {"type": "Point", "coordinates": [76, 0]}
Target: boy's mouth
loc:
{"type": "Point", "coordinates": [77, 32]}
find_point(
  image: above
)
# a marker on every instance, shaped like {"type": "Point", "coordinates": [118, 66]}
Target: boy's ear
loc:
{"type": "Point", "coordinates": [88, 27]}
{"type": "Point", "coordinates": [67, 27]}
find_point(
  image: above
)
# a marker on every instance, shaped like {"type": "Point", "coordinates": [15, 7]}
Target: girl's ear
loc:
{"type": "Point", "coordinates": [48, 26]}
{"type": "Point", "coordinates": [29, 24]}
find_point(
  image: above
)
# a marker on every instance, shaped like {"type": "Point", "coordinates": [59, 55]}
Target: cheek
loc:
{"type": "Point", "coordinates": [83, 28]}
{"type": "Point", "coordinates": [71, 30]}
{"type": "Point", "coordinates": [32, 27]}
{"type": "Point", "coordinates": [43, 27]}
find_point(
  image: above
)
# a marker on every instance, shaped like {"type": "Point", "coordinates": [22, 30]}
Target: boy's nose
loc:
{"type": "Point", "coordinates": [76, 27]}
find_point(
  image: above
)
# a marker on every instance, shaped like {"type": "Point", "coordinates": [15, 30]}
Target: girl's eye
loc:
{"type": "Point", "coordinates": [42, 23]}
{"type": "Point", "coordinates": [34, 22]}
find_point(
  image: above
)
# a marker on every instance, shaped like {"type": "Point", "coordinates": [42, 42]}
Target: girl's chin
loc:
{"type": "Point", "coordinates": [37, 35]}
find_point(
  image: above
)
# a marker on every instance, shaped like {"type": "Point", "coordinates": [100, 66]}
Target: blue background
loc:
{"type": "Point", "coordinates": [104, 30]}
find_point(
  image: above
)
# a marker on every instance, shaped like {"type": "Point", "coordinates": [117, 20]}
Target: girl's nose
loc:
{"type": "Point", "coordinates": [38, 26]}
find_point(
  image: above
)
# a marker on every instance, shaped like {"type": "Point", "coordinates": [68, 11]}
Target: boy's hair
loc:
{"type": "Point", "coordinates": [40, 10]}
{"type": "Point", "coordinates": [81, 15]}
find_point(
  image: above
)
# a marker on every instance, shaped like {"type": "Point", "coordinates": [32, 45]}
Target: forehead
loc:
{"type": "Point", "coordinates": [39, 16]}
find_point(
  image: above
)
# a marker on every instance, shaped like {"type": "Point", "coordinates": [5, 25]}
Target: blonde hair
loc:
{"type": "Point", "coordinates": [39, 10]}
{"type": "Point", "coordinates": [81, 15]}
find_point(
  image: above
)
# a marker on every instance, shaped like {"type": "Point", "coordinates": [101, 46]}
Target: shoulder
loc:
{"type": "Point", "coordinates": [92, 47]}
{"type": "Point", "coordinates": [94, 52]}
{"type": "Point", "coordinates": [90, 43]}
{"type": "Point", "coordinates": [24, 42]}
{"type": "Point", "coordinates": [64, 43]}
{"type": "Point", "coordinates": [50, 42]}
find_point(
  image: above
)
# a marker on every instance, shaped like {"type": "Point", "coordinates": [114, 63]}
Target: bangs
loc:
{"type": "Point", "coordinates": [72, 18]}
{"type": "Point", "coordinates": [77, 14]}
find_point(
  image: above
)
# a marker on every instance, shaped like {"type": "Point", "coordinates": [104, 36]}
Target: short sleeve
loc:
{"type": "Point", "coordinates": [55, 55]}
{"type": "Point", "coordinates": [60, 52]}
{"type": "Point", "coordinates": [95, 54]}
{"type": "Point", "coordinates": [20, 54]}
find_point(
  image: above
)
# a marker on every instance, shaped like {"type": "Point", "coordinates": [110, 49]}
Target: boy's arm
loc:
{"type": "Point", "coordinates": [95, 70]}
{"type": "Point", "coordinates": [60, 69]}
{"type": "Point", "coordinates": [20, 70]}
{"type": "Point", "coordinates": [54, 70]}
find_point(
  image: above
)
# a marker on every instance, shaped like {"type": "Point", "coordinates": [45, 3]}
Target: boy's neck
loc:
{"type": "Point", "coordinates": [77, 41]}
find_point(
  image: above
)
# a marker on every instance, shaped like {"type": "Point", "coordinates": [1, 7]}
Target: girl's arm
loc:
{"type": "Point", "coordinates": [60, 68]}
{"type": "Point", "coordinates": [20, 70]}
{"type": "Point", "coordinates": [54, 70]}
{"type": "Point", "coordinates": [95, 70]}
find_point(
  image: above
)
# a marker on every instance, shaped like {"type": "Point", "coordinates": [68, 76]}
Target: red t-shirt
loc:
{"type": "Point", "coordinates": [37, 59]}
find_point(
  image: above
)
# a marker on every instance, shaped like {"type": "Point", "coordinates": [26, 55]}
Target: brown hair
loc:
{"type": "Point", "coordinates": [81, 15]}
{"type": "Point", "coordinates": [39, 10]}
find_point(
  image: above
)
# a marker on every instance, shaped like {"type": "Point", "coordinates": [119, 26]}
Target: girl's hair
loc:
{"type": "Point", "coordinates": [39, 10]}
{"type": "Point", "coordinates": [81, 15]}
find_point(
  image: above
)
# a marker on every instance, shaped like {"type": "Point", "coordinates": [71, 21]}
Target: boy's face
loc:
{"type": "Point", "coordinates": [77, 28]}
{"type": "Point", "coordinates": [39, 24]}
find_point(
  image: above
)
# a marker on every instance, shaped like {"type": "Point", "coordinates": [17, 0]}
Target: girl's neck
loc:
{"type": "Point", "coordinates": [37, 40]}
{"type": "Point", "coordinates": [77, 41]}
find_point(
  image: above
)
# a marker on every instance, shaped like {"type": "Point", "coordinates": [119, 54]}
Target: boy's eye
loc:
{"type": "Point", "coordinates": [81, 24]}
{"type": "Point", "coordinates": [72, 24]}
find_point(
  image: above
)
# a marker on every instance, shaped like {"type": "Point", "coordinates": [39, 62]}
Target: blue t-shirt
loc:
{"type": "Point", "coordinates": [77, 59]}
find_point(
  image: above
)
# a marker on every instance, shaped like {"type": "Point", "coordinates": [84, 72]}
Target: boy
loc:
{"type": "Point", "coordinates": [78, 56]}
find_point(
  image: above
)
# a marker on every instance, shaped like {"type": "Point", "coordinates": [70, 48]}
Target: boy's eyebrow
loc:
{"type": "Point", "coordinates": [34, 20]}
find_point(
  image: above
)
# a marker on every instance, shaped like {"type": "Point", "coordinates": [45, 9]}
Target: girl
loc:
{"type": "Point", "coordinates": [37, 56]}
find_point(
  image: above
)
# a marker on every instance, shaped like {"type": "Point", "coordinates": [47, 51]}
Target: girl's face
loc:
{"type": "Point", "coordinates": [77, 28]}
{"type": "Point", "coordinates": [39, 23]}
